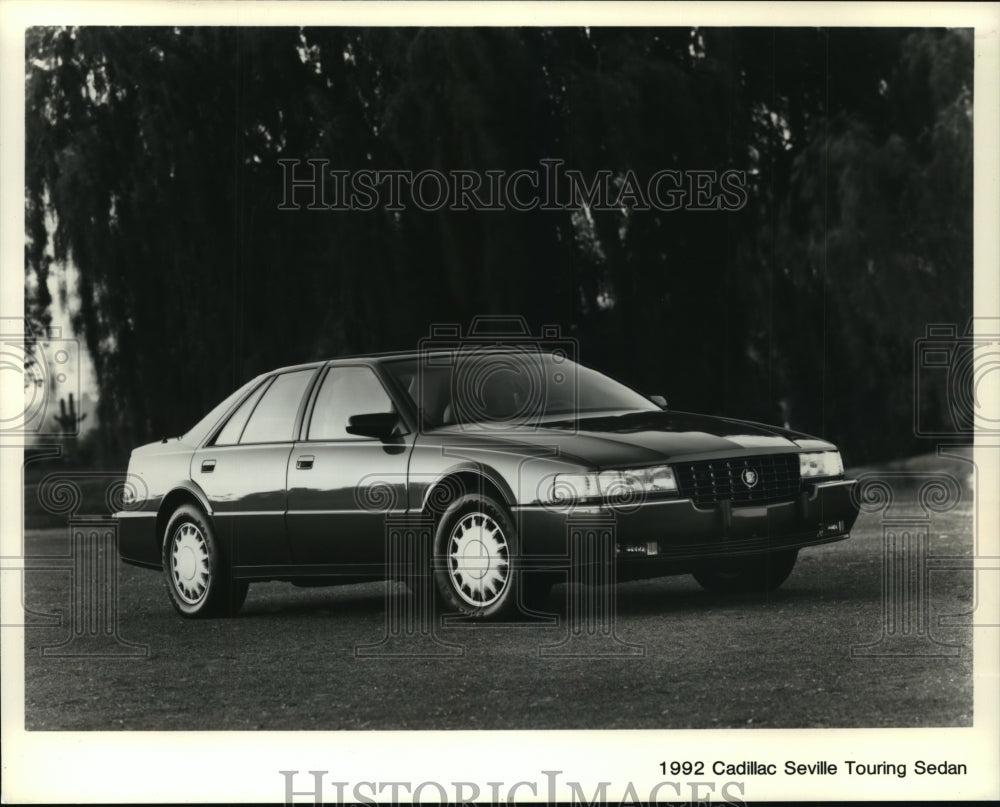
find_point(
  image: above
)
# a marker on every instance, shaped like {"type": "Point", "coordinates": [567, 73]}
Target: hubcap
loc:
{"type": "Point", "coordinates": [478, 559]}
{"type": "Point", "coordinates": [189, 567]}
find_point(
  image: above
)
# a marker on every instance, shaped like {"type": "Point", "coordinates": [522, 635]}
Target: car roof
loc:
{"type": "Point", "coordinates": [413, 354]}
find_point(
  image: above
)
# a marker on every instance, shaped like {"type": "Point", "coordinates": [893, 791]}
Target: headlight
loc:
{"type": "Point", "coordinates": [822, 463]}
{"type": "Point", "coordinates": [621, 486]}
{"type": "Point", "coordinates": [569, 488]}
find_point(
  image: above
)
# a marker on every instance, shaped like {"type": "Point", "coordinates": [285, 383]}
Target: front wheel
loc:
{"type": "Point", "coordinates": [199, 581]}
{"type": "Point", "coordinates": [476, 557]}
{"type": "Point", "coordinates": [746, 574]}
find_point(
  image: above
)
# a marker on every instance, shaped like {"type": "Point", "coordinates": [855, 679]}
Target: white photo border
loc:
{"type": "Point", "coordinates": [132, 766]}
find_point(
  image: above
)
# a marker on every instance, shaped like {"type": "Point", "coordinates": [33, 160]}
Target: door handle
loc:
{"type": "Point", "coordinates": [207, 466]}
{"type": "Point", "coordinates": [304, 463]}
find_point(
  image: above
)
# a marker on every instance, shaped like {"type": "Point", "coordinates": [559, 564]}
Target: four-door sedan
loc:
{"type": "Point", "coordinates": [519, 463]}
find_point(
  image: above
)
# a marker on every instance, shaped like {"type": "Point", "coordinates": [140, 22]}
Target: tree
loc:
{"type": "Point", "coordinates": [155, 152]}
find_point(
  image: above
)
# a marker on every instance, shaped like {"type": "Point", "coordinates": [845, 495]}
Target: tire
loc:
{"type": "Point", "coordinates": [199, 580]}
{"type": "Point", "coordinates": [747, 574]}
{"type": "Point", "coordinates": [476, 557]}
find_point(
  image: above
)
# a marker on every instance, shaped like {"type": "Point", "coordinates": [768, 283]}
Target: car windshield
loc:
{"type": "Point", "coordinates": [511, 387]}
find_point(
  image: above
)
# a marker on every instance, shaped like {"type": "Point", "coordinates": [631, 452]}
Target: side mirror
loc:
{"type": "Point", "coordinates": [659, 400]}
{"type": "Point", "coordinates": [379, 425]}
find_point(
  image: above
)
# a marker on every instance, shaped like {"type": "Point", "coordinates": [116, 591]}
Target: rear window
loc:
{"type": "Point", "coordinates": [273, 418]}
{"type": "Point", "coordinates": [200, 430]}
{"type": "Point", "coordinates": [231, 432]}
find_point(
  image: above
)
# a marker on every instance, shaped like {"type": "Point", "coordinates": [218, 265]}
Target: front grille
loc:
{"type": "Point", "coordinates": [711, 481]}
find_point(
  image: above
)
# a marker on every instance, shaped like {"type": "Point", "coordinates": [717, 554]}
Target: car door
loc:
{"type": "Point", "coordinates": [342, 487]}
{"type": "Point", "coordinates": [243, 471]}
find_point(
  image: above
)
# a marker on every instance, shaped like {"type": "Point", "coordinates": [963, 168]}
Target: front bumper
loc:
{"type": "Point", "coordinates": [676, 531]}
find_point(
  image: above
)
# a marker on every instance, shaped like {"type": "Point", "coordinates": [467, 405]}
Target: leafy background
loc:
{"type": "Point", "coordinates": [152, 168]}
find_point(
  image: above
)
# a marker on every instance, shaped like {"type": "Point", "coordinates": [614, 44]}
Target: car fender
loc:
{"type": "Point", "coordinates": [431, 481]}
{"type": "Point", "coordinates": [191, 488]}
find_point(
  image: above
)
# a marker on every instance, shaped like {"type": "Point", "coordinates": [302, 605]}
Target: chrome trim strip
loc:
{"type": "Point", "coordinates": [371, 510]}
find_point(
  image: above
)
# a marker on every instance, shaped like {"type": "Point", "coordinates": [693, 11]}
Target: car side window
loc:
{"type": "Point", "coordinates": [230, 434]}
{"type": "Point", "coordinates": [346, 391]}
{"type": "Point", "coordinates": [273, 419]}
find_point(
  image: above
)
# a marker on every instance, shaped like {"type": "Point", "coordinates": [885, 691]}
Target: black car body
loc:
{"type": "Point", "coordinates": [505, 453]}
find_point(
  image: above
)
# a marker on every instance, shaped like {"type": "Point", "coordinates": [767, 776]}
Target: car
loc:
{"type": "Point", "coordinates": [511, 457]}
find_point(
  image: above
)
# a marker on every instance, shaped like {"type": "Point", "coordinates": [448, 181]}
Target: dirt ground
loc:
{"type": "Point", "coordinates": [289, 660]}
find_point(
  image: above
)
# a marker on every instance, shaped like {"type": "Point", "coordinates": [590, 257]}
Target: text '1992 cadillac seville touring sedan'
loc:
{"type": "Point", "coordinates": [503, 454]}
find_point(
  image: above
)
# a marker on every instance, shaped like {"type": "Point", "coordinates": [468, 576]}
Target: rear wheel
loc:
{"type": "Point", "coordinates": [199, 580]}
{"type": "Point", "coordinates": [746, 574]}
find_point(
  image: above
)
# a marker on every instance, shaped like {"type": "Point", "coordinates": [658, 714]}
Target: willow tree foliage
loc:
{"type": "Point", "coordinates": [152, 166]}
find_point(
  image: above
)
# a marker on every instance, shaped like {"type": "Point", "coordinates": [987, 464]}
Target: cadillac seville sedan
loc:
{"type": "Point", "coordinates": [502, 457]}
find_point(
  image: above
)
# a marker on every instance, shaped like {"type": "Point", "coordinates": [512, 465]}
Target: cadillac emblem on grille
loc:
{"type": "Point", "coordinates": [744, 481]}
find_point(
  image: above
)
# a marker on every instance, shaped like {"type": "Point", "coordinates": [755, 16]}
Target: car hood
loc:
{"type": "Point", "coordinates": [638, 438]}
